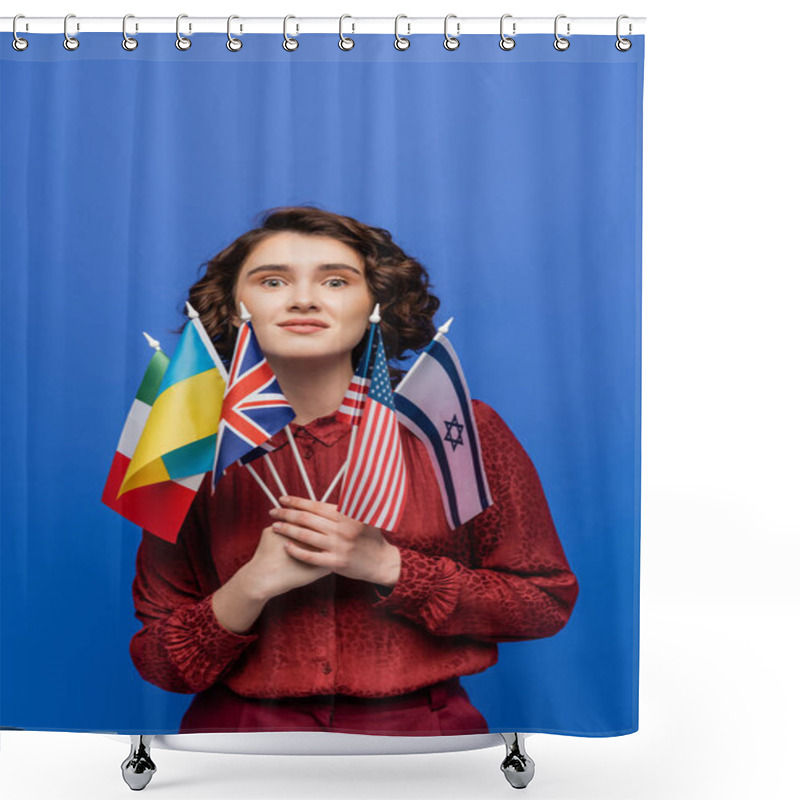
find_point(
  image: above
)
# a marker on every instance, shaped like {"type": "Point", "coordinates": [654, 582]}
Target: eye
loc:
{"type": "Point", "coordinates": [267, 280]}
{"type": "Point", "coordinates": [342, 281]}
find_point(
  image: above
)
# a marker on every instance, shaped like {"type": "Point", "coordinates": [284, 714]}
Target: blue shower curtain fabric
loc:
{"type": "Point", "coordinates": [474, 566]}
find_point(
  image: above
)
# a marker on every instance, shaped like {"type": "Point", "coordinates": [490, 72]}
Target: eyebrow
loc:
{"type": "Point", "coordinates": [320, 268]}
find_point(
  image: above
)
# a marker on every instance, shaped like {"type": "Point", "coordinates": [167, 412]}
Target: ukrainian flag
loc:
{"type": "Point", "coordinates": [179, 437]}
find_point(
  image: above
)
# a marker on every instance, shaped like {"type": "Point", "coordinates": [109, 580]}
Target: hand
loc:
{"type": "Point", "coordinates": [272, 570]}
{"type": "Point", "coordinates": [319, 534]}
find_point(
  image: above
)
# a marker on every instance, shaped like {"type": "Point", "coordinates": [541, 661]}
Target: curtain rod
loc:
{"type": "Point", "coordinates": [299, 24]}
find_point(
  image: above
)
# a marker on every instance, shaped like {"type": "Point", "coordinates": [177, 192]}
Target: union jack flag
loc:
{"type": "Point", "coordinates": [253, 407]}
{"type": "Point", "coordinates": [375, 487]}
{"type": "Point", "coordinates": [352, 406]}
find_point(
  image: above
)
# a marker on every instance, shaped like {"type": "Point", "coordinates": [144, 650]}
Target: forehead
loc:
{"type": "Point", "coordinates": [302, 251]}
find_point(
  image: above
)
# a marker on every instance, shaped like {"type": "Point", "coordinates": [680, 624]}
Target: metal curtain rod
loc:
{"type": "Point", "coordinates": [408, 25]}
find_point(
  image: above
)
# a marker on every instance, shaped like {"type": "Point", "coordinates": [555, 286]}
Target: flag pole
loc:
{"type": "Point", "coordinates": [303, 472]}
{"type": "Point", "coordinates": [374, 318]}
{"type": "Point", "coordinates": [154, 343]}
{"type": "Point", "coordinates": [440, 331]}
{"type": "Point", "coordinates": [263, 486]}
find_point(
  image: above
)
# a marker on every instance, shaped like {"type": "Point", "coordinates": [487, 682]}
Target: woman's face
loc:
{"type": "Point", "coordinates": [307, 295]}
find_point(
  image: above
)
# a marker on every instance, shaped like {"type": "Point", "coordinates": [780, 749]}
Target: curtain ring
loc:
{"type": "Point", "coordinates": [561, 43]}
{"type": "Point", "coordinates": [289, 43]}
{"type": "Point", "coordinates": [621, 44]}
{"type": "Point", "coordinates": [451, 42]}
{"type": "Point", "coordinates": [506, 42]}
{"type": "Point", "coordinates": [233, 44]}
{"type": "Point", "coordinates": [128, 42]}
{"type": "Point", "coordinates": [70, 42]}
{"type": "Point", "coordinates": [400, 42]}
{"type": "Point", "coordinates": [182, 43]}
{"type": "Point", "coordinates": [345, 43]}
{"type": "Point", "coordinates": [18, 43]}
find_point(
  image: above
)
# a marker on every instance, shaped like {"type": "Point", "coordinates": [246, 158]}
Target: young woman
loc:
{"type": "Point", "coordinates": [301, 618]}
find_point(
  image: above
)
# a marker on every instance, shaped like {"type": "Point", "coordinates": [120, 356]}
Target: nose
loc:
{"type": "Point", "coordinates": [303, 298]}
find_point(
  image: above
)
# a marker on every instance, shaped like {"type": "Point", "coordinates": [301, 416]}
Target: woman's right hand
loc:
{"type": "Point", "coordinates": [272, 571]}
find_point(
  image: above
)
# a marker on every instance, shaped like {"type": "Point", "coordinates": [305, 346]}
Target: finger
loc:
{"type": "Point", "coordinates": [328, 510]}
{"type": "Point", "coordinates": [306, 519]}
{"type": "Point", "coordinates": [304, 535]}
{"type": "Point", "coordinates": [307, 556]}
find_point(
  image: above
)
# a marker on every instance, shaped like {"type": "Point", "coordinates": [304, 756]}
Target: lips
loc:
{"type": "Point", "coordinates": [302, 323]}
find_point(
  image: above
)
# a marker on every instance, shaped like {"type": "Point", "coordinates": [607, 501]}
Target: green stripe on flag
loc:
{"type": "Point", "coordinates": [148, 388]}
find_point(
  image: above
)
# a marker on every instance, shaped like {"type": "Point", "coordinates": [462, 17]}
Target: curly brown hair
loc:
{"type": "Point", "coordinates": [397, 281]}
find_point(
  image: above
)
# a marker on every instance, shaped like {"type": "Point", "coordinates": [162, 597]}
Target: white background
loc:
{"type": "Point", "coordinates": [719, 622]}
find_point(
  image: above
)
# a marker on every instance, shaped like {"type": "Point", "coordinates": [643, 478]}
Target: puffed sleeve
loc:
{"type": "Point", "coordinates": [181, 647]}
{"type": "Point", "coordinates": [519, 585]}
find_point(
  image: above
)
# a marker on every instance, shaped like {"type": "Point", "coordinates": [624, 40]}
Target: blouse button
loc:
{"type": "Point", "coordinates": [323, 612]}
{"type": "Point", "coordinates": [327, 668]}
{"type": "Point", "coordinates": [308, 454]}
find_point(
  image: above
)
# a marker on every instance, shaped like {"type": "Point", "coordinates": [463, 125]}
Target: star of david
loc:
{"type": "Point", "coordinates": [454, 425]}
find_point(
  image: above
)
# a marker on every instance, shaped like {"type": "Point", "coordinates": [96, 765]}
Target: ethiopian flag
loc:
{"type": "Point", "coordinates": [161, 507]}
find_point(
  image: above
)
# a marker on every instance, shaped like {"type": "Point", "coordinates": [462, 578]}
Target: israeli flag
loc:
{"type": "Point", "coordinates": [434, 403]}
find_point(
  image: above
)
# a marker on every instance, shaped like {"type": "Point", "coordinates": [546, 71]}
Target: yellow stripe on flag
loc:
{"type": "Point", "coordinates": [184, 413]}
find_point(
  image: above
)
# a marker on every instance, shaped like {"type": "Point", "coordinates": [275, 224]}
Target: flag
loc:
{"type": "Point", "coordinates": [434, 403]}
{"type": "Point", "coordinates": [352, 405]}
{"type": "Point", "coordinates": [179, 437]}
{"type": "Point", "coordinates": [253, 408]}
{"type": "Point", "coordinates": [159, 507]}
{"type": "Point", "coordinates": [375, 487]}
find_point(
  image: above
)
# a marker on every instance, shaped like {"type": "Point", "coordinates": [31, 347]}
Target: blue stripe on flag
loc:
{"type": "Point", "coordinates": [440, 353]}
{"type": "Point", "coordinates": [410, 410]}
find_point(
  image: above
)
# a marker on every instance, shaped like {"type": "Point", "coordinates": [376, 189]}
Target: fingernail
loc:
{"type": "Point", "coordinates": [274, 511]}
{"type": "Point", "coordinates": [284, 499]}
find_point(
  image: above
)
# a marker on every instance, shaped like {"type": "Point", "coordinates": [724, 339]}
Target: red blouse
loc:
{"type": "Point", "coordinates": [500, 577]}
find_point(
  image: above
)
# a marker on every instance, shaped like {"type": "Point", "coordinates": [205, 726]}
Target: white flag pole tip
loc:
{"type": "Point", "coordinates": [190, 311]}
{"type": "Point", "coordinates": [375, 316]}
{"type": "Point", "coordinates": [244, 313]}
{"type": "Point", "coordinates": [446, 327]}
{"type": "Point", "coordinates": [151, 341]}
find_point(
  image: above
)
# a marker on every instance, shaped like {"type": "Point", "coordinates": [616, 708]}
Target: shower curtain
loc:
{"type": "Point", "coordinates": [472, 213]}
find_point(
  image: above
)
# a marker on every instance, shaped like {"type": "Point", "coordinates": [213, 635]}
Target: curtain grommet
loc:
{"type": "Point", "coordinates": [507, 42]}
{"type": "Point", "coordinates": [622, 44]}
{"type": "Point", "coordinates": [451, 42]}
{"type": "Point", "coordinates": [560, 43]}
{"type": "Point", "coordinates": [18, 43]}
{"type": "Point", "coordinates": [401, 42]}
{"type": "Point", "coordinates": [345, 42]}
{"type": "Point", "coordinates": [233, 44]}
{"type": "Point", "coordinates": [128, 42]}
{"type": "Point", "coordinates": [290, 44]}
{"type": "Point", "coordinates": [70, 42]}
{"type": "Point", "coordinates": [181, 42]}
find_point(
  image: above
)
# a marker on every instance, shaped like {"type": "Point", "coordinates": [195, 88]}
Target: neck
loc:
{"type": "Point", "coordinates": [313, 388]}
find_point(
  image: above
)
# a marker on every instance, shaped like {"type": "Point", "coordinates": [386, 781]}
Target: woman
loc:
{"type": "Point", "coordinates": [301, 618]}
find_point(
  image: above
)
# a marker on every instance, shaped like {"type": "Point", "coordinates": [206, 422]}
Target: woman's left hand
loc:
{"type": "Point", "coordinates": [320, 534]}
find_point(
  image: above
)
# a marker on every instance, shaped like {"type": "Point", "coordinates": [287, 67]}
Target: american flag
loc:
{"type": "Point", "coordinates": [375, 487]}
{"type": "Point", "coordinates": [352, 406]}
{"type": "Point", "coordinates": [253, 408]}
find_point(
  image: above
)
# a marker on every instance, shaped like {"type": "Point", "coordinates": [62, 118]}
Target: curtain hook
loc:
{"type": "Point", "coordinates": [128, 42]}
{"type": "Point", "coordinates": [18, 43]}
{"type": "Point", "coordinates": [400, 42]}
{"type": "Point", "coordinates": [451, 42]}
{"type": "Point", "coordinates": [561, 43]}
{"type": "Point", "coordinates": [70, 42]}
{"type": "Point", "coordinates": [233, 44]}
{"type": "Point", "coordinates": [623, 44]}
{"type": "Point", "coordinates": [182, 43]}
{"type": "Point", "coordinates": [289, 44]}
{"type": "Point", "coordinates": [507, 42]}
{"type": "Point", "coordinates": [345, 43]}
